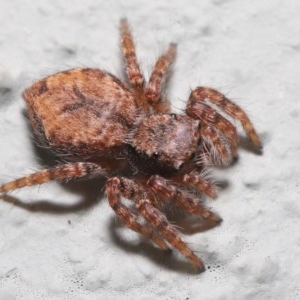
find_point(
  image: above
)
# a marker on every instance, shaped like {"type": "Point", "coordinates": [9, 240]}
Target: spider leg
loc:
{"type": "Point", "coordinates": [63, 172]}
{"type": "Point", "coordinates": [218, 150]}
{"type": "Point", "coordinates": [200, 181]}
{"type": "Point", "coordinates": [115, 187]}
{"type": "Point", "coordinates": [159, 221]}
{"type": "Point", "coordinates": [157, 78]}
{"type": "Point", "coordinates": [195, 110]}
{"type": "Point", "coordinates": [168, 191]}
{"type": "Point", "coordinates": [133, 72]}
{"type": "Point", "coordinates": [219, 135]}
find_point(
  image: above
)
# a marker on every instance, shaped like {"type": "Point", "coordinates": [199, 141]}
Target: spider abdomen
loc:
{"type": "Point", "coordinates": [81, 112]}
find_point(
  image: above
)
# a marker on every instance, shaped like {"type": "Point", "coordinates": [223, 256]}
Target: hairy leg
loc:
{"type": "Point", "coordinates": [62, 172]}
{"type": "Point", "coordinates": [194, 108]}
{"type": "Point", "coordinates": [117, 187]}
{"type": "Point", "coordinates": [217, 149]}
{"type": "Point", "coordinates": [159, 221]}
{"type": "Point", "coordinates": [133, 72]}
{"type": "Point", "coordinates": [151, 96]}
{"type": "Point", "coordinates": [168, 191]}
{"type": "Point", "coordinates": [157, 78]}
{"type": "Point", "coordinates": [217, 132]}
{"type": "Point", "coordinates": [200, 181]}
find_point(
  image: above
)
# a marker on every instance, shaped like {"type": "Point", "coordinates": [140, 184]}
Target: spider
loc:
{"type": "Point", "coordinates": [125, 132]}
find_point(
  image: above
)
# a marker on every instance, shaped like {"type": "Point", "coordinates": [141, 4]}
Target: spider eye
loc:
{"type": "Point", "coordinates": [199, 126]}
{"type": "Point", "coordinates": [178, 165]}
{"type": "Point", "coordinates": [174, 116]}
{"type": "Point", "coordinates": [193, 157]}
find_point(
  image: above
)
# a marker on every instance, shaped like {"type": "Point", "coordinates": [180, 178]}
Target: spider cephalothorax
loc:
{"type": "Point", "coordinates": [171, 138]}
{"type": "Point", "coordinates": [127, 133]}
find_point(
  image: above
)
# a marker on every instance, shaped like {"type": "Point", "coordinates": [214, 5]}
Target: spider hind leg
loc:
{"type": "Point", "coordinates": [62, 172]}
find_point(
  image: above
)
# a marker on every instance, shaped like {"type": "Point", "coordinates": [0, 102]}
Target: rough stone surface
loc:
{"type": "Point", "coordinates": [63, 241]}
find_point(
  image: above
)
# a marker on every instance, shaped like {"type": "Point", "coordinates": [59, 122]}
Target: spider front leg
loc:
{"type": "Point", "coordinates": [168, 191]}
{"type": "Point", "coordinates": [117, 187]}
{"type": "Point", "coordinates": [196, 108]}
{"type": "Point", "coordinates": [153, 90]}
{"type": "Point", "coordinates": [132, 68]}
{"type": "Point", "coordinates": [63, 172]}
{"type": "Point", "coordinates": [201, 182]}
{"type": "Point", "coordinates": [159, 221]}
{"type": "Point", "coordinates": [133, 72]}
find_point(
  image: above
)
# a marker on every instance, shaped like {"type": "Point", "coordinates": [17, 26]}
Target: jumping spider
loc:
{"type": "Point", "coordinates": [126, 133]}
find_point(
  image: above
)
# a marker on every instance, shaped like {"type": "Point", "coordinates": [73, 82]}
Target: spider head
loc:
{"type": "Point", "coordinates": [169, 138]}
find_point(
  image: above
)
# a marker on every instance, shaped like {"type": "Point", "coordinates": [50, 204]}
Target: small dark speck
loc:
{"type": "Point", "coordinates": [295, 47]}
{"type": "Point", "coordinates": [252, 185]}
{"type": "Point", "coordinates": [67, 52]}
{"type": "Point", "coordinates": [69, 222]}
{"type": "Point", "coordinates": [219, 2]}
{"type": "Point", "coordinates": [4, 90]}
{"type": "Point", "coordinates": [294, 114]}
{"type": "Point", "coordinates": [5, 95]}
{"type": "Point", "coordinates": [206, 31]}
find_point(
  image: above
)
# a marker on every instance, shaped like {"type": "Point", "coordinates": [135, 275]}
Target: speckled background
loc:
{"type": "Point", "coordinates": [60, 241]}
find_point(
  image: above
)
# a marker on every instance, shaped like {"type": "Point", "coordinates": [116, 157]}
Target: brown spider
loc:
{"type": "Point", "coordinates": [125, 132]}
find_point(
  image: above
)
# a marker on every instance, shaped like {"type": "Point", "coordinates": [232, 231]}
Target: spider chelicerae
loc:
{"type": "Point", "coordinates": [125, 131]}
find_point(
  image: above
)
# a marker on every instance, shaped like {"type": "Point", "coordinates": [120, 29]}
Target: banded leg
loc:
{"type": "Point", "coordinates": [115, 187]}
{"type": "Point", "coordinates": [217, 132]}
{"type": "Point", "coordinates": [166, 190]}
{"type": "Point", "coordinates": [200, 94]}
{"type": "Point", "coordinates": [201, 182]}
{"type": "Point", "coordinates": [133, 72]}
{"type": "Point", "coordinates": [157, 78]}
{"type": "Point", "coordinates": [217, 148]}
{"type": "Point", "coordinates": [63, 172]}
{"type": "Point", "coordinates": [159, 221]}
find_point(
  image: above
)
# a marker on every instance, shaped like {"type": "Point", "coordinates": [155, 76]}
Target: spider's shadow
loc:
{"type": "Point", "coordinates": [88, 190]}
{"type": "Point", "coordinates": [161, 258]}
{"type": "Point", "coordinates": [184, 223]}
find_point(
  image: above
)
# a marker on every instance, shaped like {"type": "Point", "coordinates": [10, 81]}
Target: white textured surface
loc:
{"type": "Point", "coordinates": [248, 49]}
